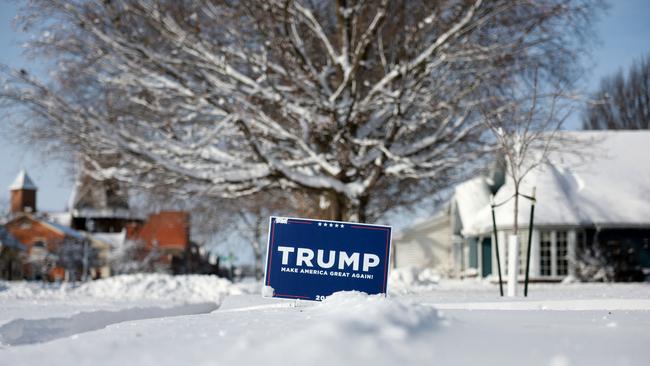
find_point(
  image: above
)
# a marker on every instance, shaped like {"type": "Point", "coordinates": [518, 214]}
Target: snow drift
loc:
{"type": "Point", "coordinates": [355, 327]}
{"type": "Point", "coordinates": [187, 288]}
{"type": "Point", "coordinates": [410, 279]}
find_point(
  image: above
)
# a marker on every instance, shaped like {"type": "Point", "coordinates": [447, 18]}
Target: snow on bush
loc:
{"type": "Point", "coordinates": [410, 279]}
{"type": "Point", "coordinates": [188, 288]}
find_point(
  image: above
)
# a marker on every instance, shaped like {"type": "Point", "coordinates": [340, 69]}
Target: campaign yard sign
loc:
{"type": "Point", "coordinates": [311, 259]}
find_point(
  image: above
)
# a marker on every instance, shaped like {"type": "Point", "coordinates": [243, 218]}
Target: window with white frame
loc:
{"type": "Point", "coordinates": [554, 251]}
{"type": "Point", "coordinates": [545, 259]}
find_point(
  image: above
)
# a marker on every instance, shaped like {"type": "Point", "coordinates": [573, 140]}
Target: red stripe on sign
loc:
{"type": "Point", "coordinates": [386, 261]}
{"type": "Point", "coordinates": [268, 272]}
{"type": "Point", "coordinates": [300, 222]}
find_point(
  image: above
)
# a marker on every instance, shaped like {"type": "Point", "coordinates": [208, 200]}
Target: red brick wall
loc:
{"type": "Point", "coordinates": [28, 231]}
{"type": "Point", "coordinates": [21, 199]}
{"type": "Point", "coordinates": [170, 229]}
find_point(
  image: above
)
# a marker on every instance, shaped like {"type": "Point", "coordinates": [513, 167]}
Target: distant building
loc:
{"type": "Point", "coordinates": [53, 251]}
{"type": "Point", "coordinates": [163, 237]}
{"type": "Point", "coordinates": [591, 204]}
{"type": "Point", "coordinates": [425, 245]}
{"type": "Point", "coordinates": [98, 234]}
{"type": "Point", "coordinates": [23, 194]}
{"type": "Point", "coordinates": [100, 206]}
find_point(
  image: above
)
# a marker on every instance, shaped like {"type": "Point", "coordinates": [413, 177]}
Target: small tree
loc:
{"type": "Point", "coordinates": [525, 132]}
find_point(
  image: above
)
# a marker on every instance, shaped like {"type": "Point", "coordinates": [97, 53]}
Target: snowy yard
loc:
{"type": "Point", "coordinates": [200, 320]}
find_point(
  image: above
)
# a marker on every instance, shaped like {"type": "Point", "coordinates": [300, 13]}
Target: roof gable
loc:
{"type": "Point", "coordinates": [23, 181]}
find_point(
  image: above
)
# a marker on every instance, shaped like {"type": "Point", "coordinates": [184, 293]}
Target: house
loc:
{"type": "Point", "coordinates": [99, 233]}
{"type": "Point", "coordinates": [159, 242]}
{"type": "Point", "coordinates": [100, 206]}
{"type": "Point", "coordinates": [427, 244]}
{"type": "Point", "coordinates": [592, 205]}
{"type": "Point", "coordinates": [163, 243]}
{"type": "Point", "coordinates": [434, 242]}
{"type": "Point", "coordinates": [53, 251]}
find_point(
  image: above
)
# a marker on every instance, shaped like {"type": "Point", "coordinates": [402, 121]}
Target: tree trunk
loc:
{"type": "Point", "coordinates": [515, 227]}
{"type": "Point", "coordinates": [257, 245]}
{"type": "Point", "coordinates": [346, 209]}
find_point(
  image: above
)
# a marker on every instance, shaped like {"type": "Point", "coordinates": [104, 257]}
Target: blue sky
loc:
{"type": "Point", "coordinates": [624, 36]}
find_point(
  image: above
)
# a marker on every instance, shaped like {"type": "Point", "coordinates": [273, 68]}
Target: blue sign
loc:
{"type": "Point", "coordinates": [312, 259]}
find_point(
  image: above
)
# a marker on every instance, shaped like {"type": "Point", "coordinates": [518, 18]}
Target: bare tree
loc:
{"type": "Point", "coordinates": [622, 103]}
{"type": "Point", "coordinates": [368, 103]}
{"type": "Point", "coordinates": [525, 131]}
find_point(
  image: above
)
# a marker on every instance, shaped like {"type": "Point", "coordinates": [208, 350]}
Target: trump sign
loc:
{"type": "Point", "coordinates": [311, 259]}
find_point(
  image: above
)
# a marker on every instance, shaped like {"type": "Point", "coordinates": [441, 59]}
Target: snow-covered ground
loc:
{"type": "Point", "coordinates": [202, 320]}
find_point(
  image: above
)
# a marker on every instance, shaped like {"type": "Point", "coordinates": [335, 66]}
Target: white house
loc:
{"type": "Point", "coordinates": [599, 196]}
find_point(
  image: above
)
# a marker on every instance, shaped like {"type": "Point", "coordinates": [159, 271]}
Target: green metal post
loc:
{"type": "Point", "coordinates": [530, 237]}
{"type": "Point", "coordinates": [496, 246]}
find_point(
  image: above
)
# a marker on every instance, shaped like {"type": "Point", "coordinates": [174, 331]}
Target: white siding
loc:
{"type": "Point", "coordinates": [427, 245]}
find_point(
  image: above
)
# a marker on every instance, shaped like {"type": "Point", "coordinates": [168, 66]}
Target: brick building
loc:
{"type": "Point", "coordinates": [53, 251]}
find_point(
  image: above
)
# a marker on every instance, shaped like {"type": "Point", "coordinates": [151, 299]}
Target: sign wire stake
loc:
{"type": "Point", "coordinates": [496, 246]}
{"type": "Point", "coordinates": [530, 237]}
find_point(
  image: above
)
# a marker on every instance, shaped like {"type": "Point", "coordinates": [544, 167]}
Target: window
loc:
{"type": "Point", "coordinates": [545, 253]}
{"type": "Point", "coordinates": [554, 251]}
{"type": "Point", "coordinates": [562, 251]}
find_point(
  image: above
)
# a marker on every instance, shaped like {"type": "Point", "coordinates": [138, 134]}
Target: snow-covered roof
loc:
{"type": "Point", "coordinates": [65, 230]}
{"type": "Point", "coordinates": [91, 198]}
{"type": "Point", "coordinates": [115, 240]}
{"type": "Point", "coordinates": [113, 213]}
{"type": "Point", "coordinates": [606, 184]}
{"type": "Point", "coordinates": [22, 181]}
{"type": "Point", "coordinates": [61, 218]}
{"type": "Point", "coordinates": [422, 225]}
{"type": "Point", "coordinates": [469, 197]}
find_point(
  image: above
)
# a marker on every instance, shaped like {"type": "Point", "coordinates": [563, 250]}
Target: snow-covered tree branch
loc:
{"type": "Point", "coordinates": [356, 100]}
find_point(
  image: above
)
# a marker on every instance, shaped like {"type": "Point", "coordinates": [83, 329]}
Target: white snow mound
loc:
{"type": "Point", "coordinates": [376, 315]}
{"type": "Point", "coordinates": [356, 328]}
{"type": "Point", "coordinates": [412, 280]}
{"type": "Point", "coordinates": [190, 288]}
{"type": "Point", "coordinates": [149, 286]}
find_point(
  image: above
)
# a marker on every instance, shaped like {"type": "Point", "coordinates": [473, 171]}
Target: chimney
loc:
{"type": "Point", "coordinates": [23, 194]}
